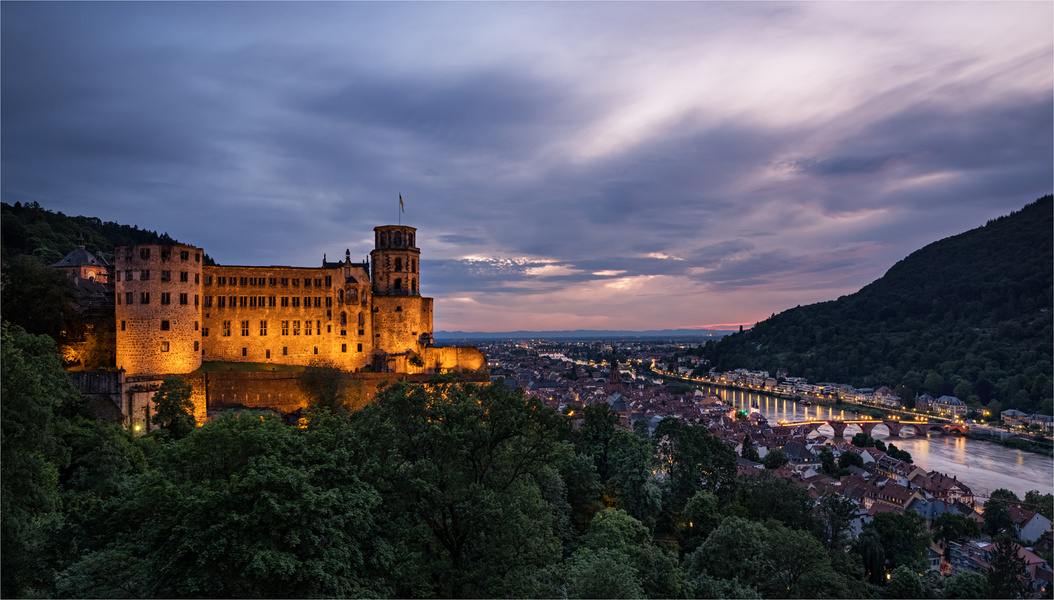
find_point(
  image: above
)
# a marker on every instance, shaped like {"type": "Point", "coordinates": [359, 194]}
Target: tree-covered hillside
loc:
{"type": "Point", "coordinates": [968, 316]}
{"type": "Point", "coordinates": [49, 236]}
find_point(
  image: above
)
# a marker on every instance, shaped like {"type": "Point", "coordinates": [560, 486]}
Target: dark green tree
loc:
{"type": "Point", "coordinates": [1008, 574]}
{"type": "Point", "coordinates": [750, 450]}
{"type": "Point", "coordinates": [1039, 502]}
{"type": "Point", "coordinates": [951, 528]}
{"type": "Point", "coordinates": [173, 408]}
{"type": "Point", "coordinates": [594, 436]}
{"type": "Point", "coordinates": [905, 583]}
{"type": "Point", "coordinates": [38, 298]}
{"type": "Point", "coordinates": [869, 546]}
{"type": "Point", "coordinates": [633, 464]}
{"type": "Point", "coordinates": [997, 517]}
{"type": "Point", "coordinates": [904, 539]}
{"type": "Point", "coordinates": [774, 460]}
{"type": "Point", "coordinates": [966, 585]}
{"type": "Point", "coordinates": [833, 518]}
{"type": "Point", "coordinates": [325, 386]}
{"type": "Point", "coordinates": [850, 459]}
{"type": "Point", "coordinates": [657, 570]}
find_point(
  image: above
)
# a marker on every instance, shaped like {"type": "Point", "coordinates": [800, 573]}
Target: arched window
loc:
{"type": "Point", "coordinates": [410, 238]}
{"type": "Point", "coordinates": [398, 243]}
{"type": "Point", "coordinates": [353, 296]}
{"type": "Point", "coordinates": [343, 318]}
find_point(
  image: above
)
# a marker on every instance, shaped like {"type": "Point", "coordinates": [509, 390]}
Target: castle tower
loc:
{"type": "Point", "coordinates": [402, 319]}
{"type": "Point", "coordinates": [395, 261]}
{"type": "Point", "coordinates": [158, 306]}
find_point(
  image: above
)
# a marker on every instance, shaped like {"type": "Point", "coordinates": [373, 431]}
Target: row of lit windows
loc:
{"type": "Point", "coordinates": [144, 275]}
{"type": "Point", "coordinates": [271, 281]}
{"type": "Point", "coordinates": [225, 330]}
{"type": "Point", "coordinates": [268, 301]}
{"type": "Point", "coordinates": [166, 298]}
{"type": "Point", "coordinates": [166, 254]}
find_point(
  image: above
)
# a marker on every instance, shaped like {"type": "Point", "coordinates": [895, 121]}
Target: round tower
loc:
{"type": "Point", "coordinates": [395, 261]}
{"type": "Point", "coordinates": [158, 306]}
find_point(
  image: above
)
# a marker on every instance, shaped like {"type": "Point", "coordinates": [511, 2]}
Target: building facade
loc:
{"type": "Point", "coordinates": [173, 313]}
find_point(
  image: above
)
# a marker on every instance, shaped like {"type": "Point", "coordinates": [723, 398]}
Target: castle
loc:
{"type": "Point", "coordinates": [173, 313]}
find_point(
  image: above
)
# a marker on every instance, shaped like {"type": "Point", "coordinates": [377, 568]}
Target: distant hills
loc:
{"type": "Point", "coordinates": [969, 316]}
{"type": "Point", "coordinates": [585, 334]}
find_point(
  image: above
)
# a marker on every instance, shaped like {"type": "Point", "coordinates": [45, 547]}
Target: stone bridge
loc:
{"type": "Point", "coordinates": [894, 426]}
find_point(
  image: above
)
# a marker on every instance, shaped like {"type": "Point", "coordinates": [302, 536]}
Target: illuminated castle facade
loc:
{"type": "Point", "coordinates": [173, 312]}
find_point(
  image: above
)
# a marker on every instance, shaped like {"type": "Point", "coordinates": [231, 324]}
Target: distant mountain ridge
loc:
{"type": "Point", "coordinates": [969, 316]}
{"type": "Point", "coordinates": [582, 333]}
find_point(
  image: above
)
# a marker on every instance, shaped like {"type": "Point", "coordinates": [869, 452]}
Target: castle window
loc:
{"type": "Point", "coordinates": [260, 301]}
{"type": "Point", "coordinates": [144, 275]}
{"type": "Point", "coordinates": [343, 332]}
{"type": "Point", "coordinates": [285, 281]}
{"type": "Point", "coordinates": [285, 327]}
{"type": "Point", "coordinates": [329, 315]}
{"type": "Point", "coordinates": [267, 353]}
{"type": "Point", "coordinates": [122, 325]}
{"type": "Point", "coordinates": [166, 298]}
{"type": "Point", "coordinates": [244, 281]}
{"type": "Point", "coordinates": [296, 301]}
{"type": "Point", "coordinates": [118, 298]}
{"type": "Point", "coordinates": [398, 264]}
{"type": "Point", "coordinates": [144, 297]}
{"type": "Point", "coordinates": [144, 253]}
{"type": "Point", "coordinates": [197, 345]}
{"type": "Point", "coordinates": [307, 301]}
{"type": "Point", "coordinates": [318, 327]}
{"type": "Point", "coordinates": [398, 284]}
{"type": "Point", "coordinates": [307, 282]}
{"type": "Point", "coordinates": [263, 327]}
{"type": "Point", "coordinates": [245, 328]}
{"type": "Point", "coordinates": [318, 283]}
{"type": "Point", "coordinates": [226, 329]}
{"type": "Point", "coordinates": [340, 296]}
{"type": "Point", "coordinates": [329, 280]}
{"type": "Point", "coordinates": [362, 320]}
{"type": "Point", "coordinates": [118, 274]}
{"type": "Point", "coordinates": [252, 301]}
{"type": "Point", "coordinates": [318, 302]}
{"type": "Point", "coordinates": [183, 276]}
{"type": "Point", "coordinates": [285, 350]}
{"type": "Point", "coordinates": [183, 299]}
{"type": "Point", "coordinates": [164, 326]}
{"type": "Point", "coordinates": [197, 257]}
{"type": "Point", "coordinates": [398, 309]}
{"type": "Point", "coordinates": [296, 282]}
{"type": "Point", "coordinates": [329, 329]}
{"type": "Point", "coordinates": [221, 301]}
{"type": "Point", "coordinates": [204, 332]}
{"type": "Point", "coordinates": [273, 281]}
{"type": "Point", "coordinates": [195, 325]}
{"type": "Point", "coordinates": [296, 327]}
{"type": "Point", "coordinates": [285, 301]}
{"type": "Point", "coordinates": [413, 285]}
{"type": "Point", "coordinates": [184, 255]}
{"type": "Point", "coordinates": [243, 301]}
{"type": "Point", "coordinates": [271, 301]}
{"type": "Point", "coordinates": [128, 297]}
{"type": "Point", "coordinates": [166, 254]}
{"type": "Point", "coordinates": [196, 299]}
{"type": "Point", "coordinates": [245, 351]}
{"type": "Point", "coordinates": [166, 275]}
{"type": "Point", "coordinates": [252, 281]}
{"type": "Point", "coordinates": [316, 349]}
{"type": "Point", "coordinates": [398, 241]}
{"type": "Point", "coordinates": [164, 346]}
{"type": "Point", "coordinates": [197, 277]}
{"type": "Point", "coordinates": [362, 332]}
{"type": "Point", "coordinates": [343, 347]}
{"type": "Point", "coordinates": [307, 328]}
{"type": "Point", "coordinates": [343, 318]}
{"type": "Point", "coordinates": [128, 276]}
{"type": "Point", "coordinates": [208, 280]}
{"type": "Point", "coordinates": [221, 280]}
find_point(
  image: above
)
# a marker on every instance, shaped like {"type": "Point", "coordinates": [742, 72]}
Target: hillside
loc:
{"type": "Point", "coordinates": [969, 316]}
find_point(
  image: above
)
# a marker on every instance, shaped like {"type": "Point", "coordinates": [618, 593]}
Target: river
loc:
{"type": "Point", "coordinates": [983, 466]}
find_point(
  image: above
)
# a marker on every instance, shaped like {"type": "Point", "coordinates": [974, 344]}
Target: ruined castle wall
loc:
{"type": "Point", "coordinates": [158, 308]}
{"type": "Point", "coordinates": [287, 315]}
{"type": "Point", "coordinates": [454, 358]}
{"type": "Point", "coordinates": [400, 321]}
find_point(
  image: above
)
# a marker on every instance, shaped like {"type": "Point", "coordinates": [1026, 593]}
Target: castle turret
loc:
{"type": "Point", "coordinates": [402, 319]}
{"type": "Point", "coordinates": [158, 294]}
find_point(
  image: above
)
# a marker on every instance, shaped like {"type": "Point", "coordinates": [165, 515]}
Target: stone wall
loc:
{"type": "Point", "coordinates": [158, 310]}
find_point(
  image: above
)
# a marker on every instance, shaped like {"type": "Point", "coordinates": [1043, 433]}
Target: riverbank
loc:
{"type": "Point", "coordinates": [1044, 447]}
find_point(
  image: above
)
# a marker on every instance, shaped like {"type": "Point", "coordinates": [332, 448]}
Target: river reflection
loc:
{"type": "Point", "coordinates": [983, 466]}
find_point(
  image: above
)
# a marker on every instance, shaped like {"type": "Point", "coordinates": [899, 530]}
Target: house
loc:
{"type": "Point", "coordinates": [1029, 526]}
{"type": "Point", "coordinates": [1013, 417]}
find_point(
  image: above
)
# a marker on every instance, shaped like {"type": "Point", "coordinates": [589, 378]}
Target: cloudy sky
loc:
{"type": "Point", "coordinates": [568, 165]}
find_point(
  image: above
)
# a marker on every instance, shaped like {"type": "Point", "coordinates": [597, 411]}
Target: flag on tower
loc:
{"type": "Point", "coordinates": [401, 207]}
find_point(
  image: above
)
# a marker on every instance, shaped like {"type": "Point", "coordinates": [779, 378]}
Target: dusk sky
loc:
{"type": "Point", "coordinates": [583, 165]}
